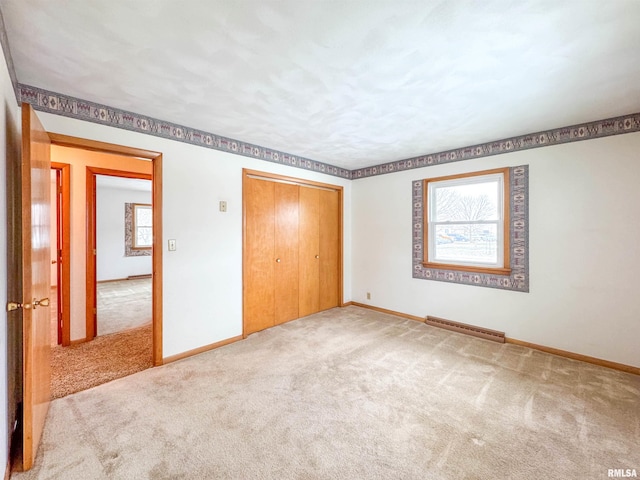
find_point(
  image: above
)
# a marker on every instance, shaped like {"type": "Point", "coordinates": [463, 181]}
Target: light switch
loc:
{"type": "Point", "coordinates": [223, 206]}
{"type": "Point", "coordinates": [172, 245]}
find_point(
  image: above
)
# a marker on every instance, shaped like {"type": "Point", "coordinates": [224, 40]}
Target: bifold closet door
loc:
{"type": "Point", "coordinates": [309, 249]}
{"type": "Point", "coordinates": [329, 248]}
{"type": "Point", "coordinates": [286, 252]}
{"type": "Point", "coordinates": [259, 249]}
{"type": "Point", "coordinates": [291, 250]}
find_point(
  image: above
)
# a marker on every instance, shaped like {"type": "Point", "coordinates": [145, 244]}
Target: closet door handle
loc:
{"type": "Point", "coordinates": [278, 260]}
{"type": "Point", "coordinates": [317, 256]}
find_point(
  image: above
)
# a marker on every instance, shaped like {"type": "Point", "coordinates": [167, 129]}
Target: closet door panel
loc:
{"type": "Point", "coordinates": [286, 252]}
{"type": "Point", "coordinates": [309, 251]}
{"type": "Point", "coordinates": [259, 259]}
{"type": "Point", "coordinates": [329, 247]}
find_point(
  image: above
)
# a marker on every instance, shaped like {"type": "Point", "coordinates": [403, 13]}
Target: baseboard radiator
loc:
{"type": "Point", "coordinates": [472, 330]}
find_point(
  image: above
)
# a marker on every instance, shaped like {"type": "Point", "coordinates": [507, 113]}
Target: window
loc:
{"type": "Point", "coordinates": [467, 222]}
{"type": "Point", "coordinates": [142, 226]}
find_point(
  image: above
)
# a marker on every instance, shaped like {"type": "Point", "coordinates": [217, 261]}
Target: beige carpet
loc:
{"type": "Point", "coordinates": [79, 367]}
{"type": "Point", "coordinates": [123, 305]}
{"type": "Point", "coordinates": [350, 394]}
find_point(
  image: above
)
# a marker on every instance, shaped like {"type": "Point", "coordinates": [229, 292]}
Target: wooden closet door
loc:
{"type": "Point", "coordinates": [259, 258]}
{"type": "Point", "coordinates": [286, 252]}
{"type": "Point", "coordinates": [309, 249]}
{"type": "Point", "coordinates": [329, 268]}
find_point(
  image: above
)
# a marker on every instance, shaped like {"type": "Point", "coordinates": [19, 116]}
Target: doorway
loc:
{"type": "Point", "coordinates": [135, 153]}
{"type": "Point", "coordinates": [60, 253]}
{"type": "Point", "coordinates": [96, 356]}
{"type": "Point", "coordinates": [123, 241]}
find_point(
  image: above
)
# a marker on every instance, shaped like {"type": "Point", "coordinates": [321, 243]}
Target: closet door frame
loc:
{"type": "Point", "coordinates": [246, 174]}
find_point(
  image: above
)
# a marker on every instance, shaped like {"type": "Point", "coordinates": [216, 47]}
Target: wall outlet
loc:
{"type": "Point", "coordinates": [223, 206]}
{"type": "Point", "coordinates": [172, 245]}
{"type": "Point", "coordinates": [368, 295]}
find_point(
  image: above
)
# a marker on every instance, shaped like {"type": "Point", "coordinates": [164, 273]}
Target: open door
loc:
{"type": "Point", "coordinates": [33, 276]}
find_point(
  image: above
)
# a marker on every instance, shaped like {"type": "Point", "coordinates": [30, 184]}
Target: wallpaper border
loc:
{"type": "Point", "coordinates": [68, 106]}
{"type": "Point", "coordinates": [574, 133]}
{"type": "Point", "coordinates": [518, 280]}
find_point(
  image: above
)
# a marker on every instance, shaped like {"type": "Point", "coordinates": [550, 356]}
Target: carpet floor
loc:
{"type": "Point", "coordinates": [123, 305]}
{"type": "Point", "coordinates": [105, 358]}
{"type": "Point", "coordinates": [350, 394]}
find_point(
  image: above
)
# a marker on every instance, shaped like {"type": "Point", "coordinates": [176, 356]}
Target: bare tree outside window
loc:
{"type": "Point", "coordinates": [142, 226]}
{"type": "Point", "coordinates": [465, 222]}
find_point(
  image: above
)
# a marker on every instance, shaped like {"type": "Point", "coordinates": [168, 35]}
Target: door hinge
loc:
{"type": "Point", "coordinates": [95, 311]}
{"type": "Point", "coordinates": [94, 251]}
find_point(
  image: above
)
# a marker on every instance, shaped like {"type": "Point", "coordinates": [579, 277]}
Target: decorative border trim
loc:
{"type": "Point", "coordinates": [518, 280]}
{"type": "Point", "coordinates": [67, 106]}
{"type": "Point", "coordinates": [129, 251]}
{"type": "Point", "coordinates": [575, 133]}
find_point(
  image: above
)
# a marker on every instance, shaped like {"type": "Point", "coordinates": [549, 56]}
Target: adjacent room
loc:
{"type": "Point", "coordinates": [391, 239]}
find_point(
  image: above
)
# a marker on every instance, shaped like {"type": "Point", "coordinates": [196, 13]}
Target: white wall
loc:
{"type": "Point", "coordinates": [202, 298]}
{"type": "Point", "coordinates": [9, 129]}
{"type": "Point", "coordinates": [584, 250]}
{"type": "Point", "coordinates": [110, 229]}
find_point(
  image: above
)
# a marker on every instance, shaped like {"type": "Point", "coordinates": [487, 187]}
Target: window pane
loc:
{"type": "Point", "coordinates": [144, 236]}
{"type": "Point", "coordinates": [469, 243]}
{"type": "Point", "coordinates": [470, 202]}
{"type": "Point", "coordinates": [144, 216]}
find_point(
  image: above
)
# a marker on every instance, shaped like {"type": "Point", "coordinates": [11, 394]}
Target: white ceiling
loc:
{"type": "Point", "coordinates": [107, 181]}
{"type": "Point", "coordinates": [352, 83]}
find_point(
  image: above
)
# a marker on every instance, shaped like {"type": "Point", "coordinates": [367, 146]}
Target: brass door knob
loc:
{"type": "Point", "coordinates": [317, 256]}
{"type": "Point", "coordinates": [278, 260]}
{"type": "Point", "coordinates": [11, 306]}
{"type": "Point", "coordinates": [42, 303]}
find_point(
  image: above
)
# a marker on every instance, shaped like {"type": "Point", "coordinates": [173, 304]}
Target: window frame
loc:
{"type": "Point", "coordinates": [134, 226]}
{"type": "Point", "coordinates": [504, 222]}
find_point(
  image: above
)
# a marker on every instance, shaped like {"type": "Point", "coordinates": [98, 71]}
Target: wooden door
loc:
{"type": "Point", "coordinates": [329, 248]}
{"type": "Point", "coordinates": [36, 282]}
{"type": "Point", "coordinates": [56, 249]}
{"type": "Point", "coordinates": [61, 235]}
{"type": "Point", "coordinates": [286, 252]}
{"type": "Point", "coordinates": [259, 259]}
{"type": "Point", "coordinates": [14, 290]}
{"type": "Point", "coordinates": [309, 248]}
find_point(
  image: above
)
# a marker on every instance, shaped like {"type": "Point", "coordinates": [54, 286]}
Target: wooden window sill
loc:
{"type": "Point", "coordinates": [467, 268]}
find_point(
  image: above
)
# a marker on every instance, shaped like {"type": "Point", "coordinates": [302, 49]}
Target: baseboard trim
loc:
{"type": "Point", "coordinates": [554, 351]}
{"type": "Point", "coordinates": [130, 277]}
{"type": "Point", "coordinates": [79, 341]}
{"type": "Point", "coordinates": [112, 280]}
{"type": "Point", "coordinates": [347, 304]}
{"type": "Point", "coordinates": [389, 312]}
{"type": "Point", "coordinates": [196, 351]}
{"type": "Point", "coordinates": [576, 356]}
